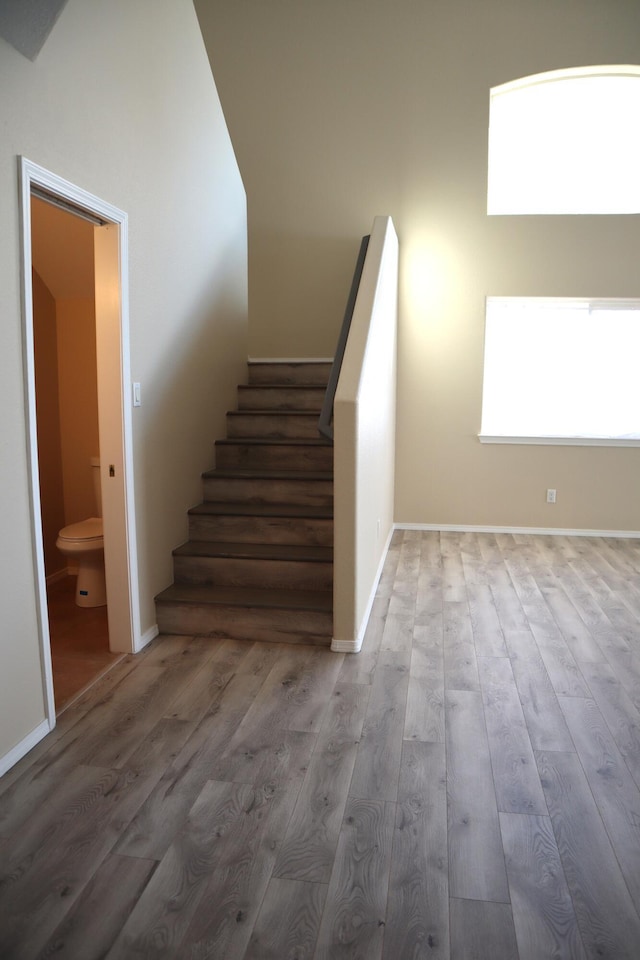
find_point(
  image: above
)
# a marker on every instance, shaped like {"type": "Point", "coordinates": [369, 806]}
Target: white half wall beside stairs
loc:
{"type": "Point", "coordinates": [364, 422]}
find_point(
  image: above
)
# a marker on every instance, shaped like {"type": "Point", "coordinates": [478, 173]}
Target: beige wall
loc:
{"type": "Point", "coordinates": [141, 127]}
{"type": "Point", "coordinates": [48, 413]}
{"type": "Point", "coordinates": [340, 111]}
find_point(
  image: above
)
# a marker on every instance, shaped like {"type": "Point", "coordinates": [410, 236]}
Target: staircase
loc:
{"type": "Point", "coordinates": [258, 564]}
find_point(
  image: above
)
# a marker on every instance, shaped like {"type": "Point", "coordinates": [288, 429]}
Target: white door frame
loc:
{"type": "Point", "coordinates": [120, 553]}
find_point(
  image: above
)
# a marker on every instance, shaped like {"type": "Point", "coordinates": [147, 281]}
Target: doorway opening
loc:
{"type": "Point", "coordinates": [66, 385]}
{"type": "Point", "coordinates": [91, 365]}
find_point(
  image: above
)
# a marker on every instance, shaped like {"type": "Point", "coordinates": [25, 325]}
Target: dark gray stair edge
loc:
{"type": "Point", "coordinates": [272, 412]}
{"type": "Point", "coordinates": [294, 553]}
{"type": "Point", "coordinates": [317, 443]}
{"type": "Point", "coordinates": [320, 601]}
{"type": "Point", "coordinates": [264, 473]}
{"type": "Point", "coordinates": [282, 385]}
{"type": "Point", "coordinates": [286, 511]}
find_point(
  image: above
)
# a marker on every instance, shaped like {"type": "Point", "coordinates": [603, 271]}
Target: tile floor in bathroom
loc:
{"type": "Point", "coordinates": [79, 642]}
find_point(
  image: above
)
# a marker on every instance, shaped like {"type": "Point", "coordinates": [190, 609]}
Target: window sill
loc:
{"type": "Point", "coordinates": [565, 441]}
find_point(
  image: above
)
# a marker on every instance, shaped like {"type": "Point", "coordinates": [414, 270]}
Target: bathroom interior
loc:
{"type": "Point", "coordinates": [68, 448]}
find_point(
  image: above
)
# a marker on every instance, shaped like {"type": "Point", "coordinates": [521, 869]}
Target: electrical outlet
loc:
{"type": "Point", "coordinates": [551, 496]}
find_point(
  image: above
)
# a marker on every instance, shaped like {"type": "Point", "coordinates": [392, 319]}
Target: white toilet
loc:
{"type": "Point", "coordinates": [83, 546]}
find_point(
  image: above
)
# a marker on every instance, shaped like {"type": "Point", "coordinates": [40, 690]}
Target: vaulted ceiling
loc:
{"type": "Point", "coordinates": [26, 24]}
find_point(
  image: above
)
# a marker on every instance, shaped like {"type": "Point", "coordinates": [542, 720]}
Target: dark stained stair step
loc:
{"type": "Point", "coordinates": [291, 454]}
{"type": "Point", "coordinates": [255, 551]}
{"type": "Point", "coordinates": [297, 487]}
{"type": "Point", "coordinates": [261, 523]}
{"type": "Point", "coordinates": [314, 372]}
{"type": "Point", "coordinates": [274, 424]}
{"type": "Point", "coordinates": [280, 397]}
{"type": "Point", "coordinates": [281, 616]}
{"type": "Point", "coordinates": [300, 567]}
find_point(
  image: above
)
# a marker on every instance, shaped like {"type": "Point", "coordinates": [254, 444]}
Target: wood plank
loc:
{"type": "Point", "coordinates": [626, 667]}
{"type": "Point", "coordinates": [223, 813]}
{"type": "Point", "coordinates": [398, 629]}
{"type": "Point", "coordinates": [512, 617]}
{"type": "Point", "coordinates": [485, 624]}
{"type": "Point", "coordinates": [163, 813]}
{"type": "Point", "coordinates": [608, 921]}
{"type": "Point", "coordinates": [476, 859]}
{"type": "Point", "coordinates": [418, 905]}
{"type": "Point", "coordinates": [95, 920]}
{"type": "Point", "coordinates": [217, 670]}
{"type": "Point", "coordinates": [45, 883]}
{"type": "Point", "coordinates": [561, 666]}
{"type": "Point", "coordinates": [430, 578]}
{"type": "Point", "coordinates": [460, 667]}
{"type": "Point", "coordinates": [545, 721]}
{"type": "Point", "coordinates": [612, 786]}
{"type": "Point", "coordinates": [309, 845]}
{"type": "Point", "coordinates": [482, 931]}
{"type": "Point", "coordinates": [406, 579]}
{"type": "Point", "coordinates": [288, 922]}
{"type": "Point", "coordinates": [30, 766]}
{"type": "Point", "coordinates": [576, 634]}
{"type": "Point", "coordinates": [543, 914]}
{"type": "Point", "coordinates": [360, 667]}
{"type": "Point", "coordinates": [515, 775]}
{"type": "Point", "coordinates": [353, 922]}
{"type": "Point", "coordinates": [296, 691]}
{"type": "Point", "coordinates": [600, 626]}
{"type": "Point", "coordinates": [377, 765]}
{"type": "Point", "coordinates": [620, 713]}
{"type": "Point", "coordinates": [454, 588]}
{"type": "Point", "coordinates": [424, 717]}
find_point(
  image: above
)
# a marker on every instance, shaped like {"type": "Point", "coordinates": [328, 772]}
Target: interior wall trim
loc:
{"type": "Point", "coordinates": [543, 531]}
{"type": "Point", "coordinates": [22, 749]}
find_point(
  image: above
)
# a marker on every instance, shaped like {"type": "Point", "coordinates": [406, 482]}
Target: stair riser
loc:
{"type": "Point", "coordinates": [262, 530]}
{"type": "Point", "coordinates": [245, 623]}
{"type": "Point", "coordinates": [304, 493]}
{"type": "Point", "coordinates": [289, 373]}
{"type": "Point", "coordinates": [241, 572]}
{"type": "Point", "coordinates": [273, 457]}
{"type": "Point", "coordinates": [280, 398]}
{"type": "Point", "coordinates": [273, 426]}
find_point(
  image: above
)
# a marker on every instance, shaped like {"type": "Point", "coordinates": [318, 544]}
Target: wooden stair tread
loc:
{"type": "Point", "coordinates": [233, 473]}
{"type": "Point", "coordinates": [244, 509]}
{"type": "Point", "coordinates": [318, 600]}
{"type": "Point", "coordinates": [259, 561]}
{"type": "Point", "coordinates": [275, 441]}
{"type": "Point", "coordinates": [254, 551]}
{"type": "Point", "coordinates": [271, 412]}
{"type": "Point", "coordinates": [282, 385]}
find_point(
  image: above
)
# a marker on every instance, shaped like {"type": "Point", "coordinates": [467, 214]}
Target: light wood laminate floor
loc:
{"type": "Point", "coordinates": [465, 788]}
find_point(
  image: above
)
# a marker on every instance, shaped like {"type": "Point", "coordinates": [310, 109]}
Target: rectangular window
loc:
{"type": "Point", "coordinates": [561, 371]}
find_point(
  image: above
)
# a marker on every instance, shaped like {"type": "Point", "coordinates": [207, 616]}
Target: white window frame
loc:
{"type": "Point", "coordinates": [550, 163]}
{"type": "Point", "coordinates": [567, 439]}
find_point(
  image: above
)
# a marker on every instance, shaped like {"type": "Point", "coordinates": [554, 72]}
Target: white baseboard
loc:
{"type": "Point", "coordinates": [58, 575]}
{"type": "Point", "coordinates": [147, 637]}
{"type": "Point", "coordinates": [21, 749]}
{"type": "Point", "coordinates": [543, 531]}
{"type": "Point", "coordinates": [354, 646]}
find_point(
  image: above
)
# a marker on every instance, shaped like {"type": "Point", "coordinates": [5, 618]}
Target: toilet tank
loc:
{"type": "Point", "coordinates": [97, 487]}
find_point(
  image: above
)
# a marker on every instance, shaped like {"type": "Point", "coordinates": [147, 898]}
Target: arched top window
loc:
{"type": "Point", "coordinates": [566, 142]}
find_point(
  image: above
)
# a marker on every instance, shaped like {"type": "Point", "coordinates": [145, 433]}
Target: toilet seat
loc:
{"type": "Point", "coordinates": [85, 530]}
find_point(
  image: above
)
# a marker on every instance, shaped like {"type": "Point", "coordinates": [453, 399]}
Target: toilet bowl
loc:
{"type": "Point", "coordinates": [83, 545]}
